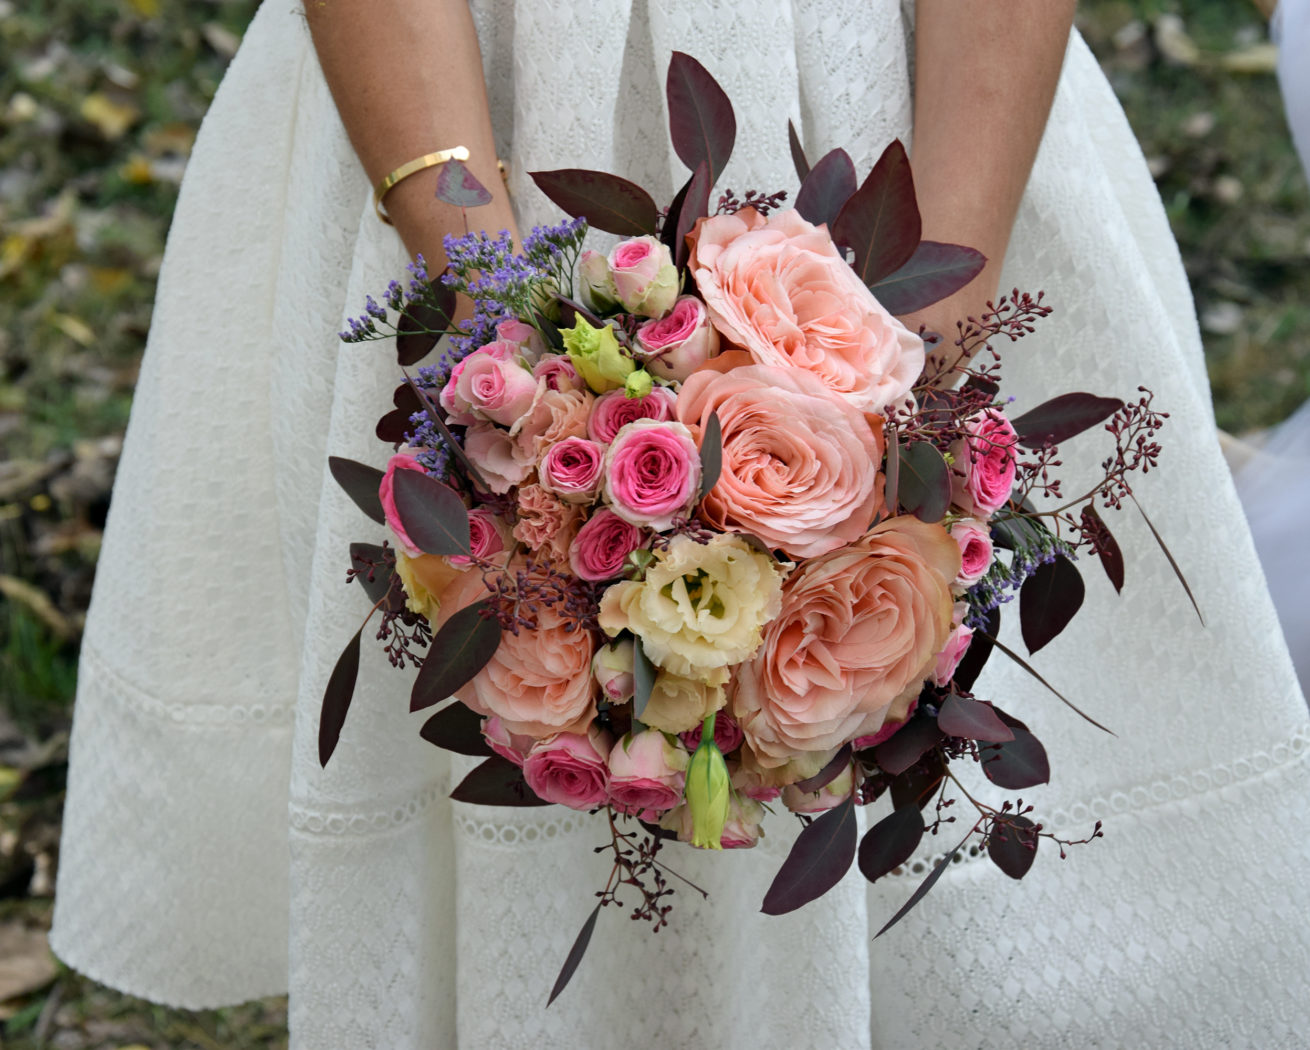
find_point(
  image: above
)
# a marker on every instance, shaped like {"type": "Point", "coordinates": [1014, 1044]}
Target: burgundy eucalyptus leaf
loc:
{"type": "Point", "coordinates": [406, 398]}
{"type": "Point", "coordinates": [457, 186]}
{"type": "Point", "coordinates": [695, 205]}
{"type": "Point", "coordinates": [892, 489]}
{"type": "Point", "coordinates": [496, 782]}
{"type": "Point", "coordinates": [973, 720]}
{"type": "Point", "coordinates": [1062, 417]}
{"type": "Point", "coordinates": [360, 482]}
{"type": "Point", "coordinates": [891, 842]}
{"type": "Point", "coordinates": [361, 556]}
{"type": "Point", "coordinates": [669, 231]}
{"type": "Point", "coordinates": [549, 331]}
{"type": "Point", "coordinates": [456, 728]}
{"type": "Point", "coordinates": [923, 889]}
{"type": "Point", "coordinates": [827, 187]}
{"type": "Point", "coordinates": [643, 678]}
{"type": "Point", "coordinates": [462, 647]}
{"type": "Point", "coordinates": [336, 699]}
{"type": "Point", "coordinates": [797, 152]}
{"type": "Point", "coordinates": [920, 784]}
{"type": "Point", "coordinates": [1107, 547]}
{"type": "Point", "coordinates": [1172, 564]}
{"type": "Point", "coordinates": [711, 454]}
{"type": "Point", "coordinates": [907, 745]}
{"type": "Point", "coordinates": [433, 516]}
{"type": "Point", "coordinates": [1012, 845]}
{"type": "Point", "coordinates": [924, 483]}
{"type": "Point", "coordinates": [880, 222]}
{"type": "Point", "coordinates": [701, 122]}
{"type": "Point", "coordinates": [1016, 764]}
{"type": "Point", "coordinates": [980, 648]}
{"type": "Point", "coordinates": [820, 856]}
{"type": "Point", "coordinates": [393, 427]}
{"type": "Point", "coordinates": [421, 324]}
{"type": "Point", "coordinates": [835, 766]}
{"type": "Point", "coordinates": [575, 955]}
{"type": "Point", "coordinates": [932, 273]}
{"type": "Point", "coordinates": [1048, 600]}
{"type": "Point", "coordinates": [606, 201]}
{"type": "Point", "coordinates": [1012, 531]}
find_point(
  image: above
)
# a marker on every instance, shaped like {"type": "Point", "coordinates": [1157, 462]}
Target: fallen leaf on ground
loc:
{"type": "Point", "coordinates": [26, 964]}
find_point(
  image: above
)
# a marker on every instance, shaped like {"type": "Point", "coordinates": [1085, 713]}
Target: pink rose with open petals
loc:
{"type": "Point", "coordinates": [494, 384]}
{"type": "Point", "coordinates": [600, 549]}
{"type": "Point", "coordinates": [487, 535]}
{"type": "Point", "coordinates": [779, 289]}
{"type": "Point", "coordinates": [458, 410]}
{"type": "Point", "coordinates": [860, 629]}
{"type": "Point", "coordinates": [571, 469]}
{"type": "Point", "coordinates": [615, 410]}
{"type": "Point", "coordinates": [644, 277]}
{"type": "Point", "coordinates": [647, 774]}
{"type": "Point", "coordinates": [512, 746]}
{"type": "Point", "coordinates": [554, 416]}
{"type": "Point", "coordinates": [556, 371]}
{"type": "Point", "coordinates": [985, 465]}
{"type": "Point", "coordinates": [652, 473]}
{"type": "Point", "coordinates": [569, 769]}
{"type": "Point", "coordinates": [975, 550]}
{"type": "Point", "coordinates": [386, 493]}
{"type": "Point", "coordinates": [952, 653]}
{"type": "Point", "coordinates": [493, 452]}
{"type": "Point", "coordinates": [522, 335]}
{"type": "Point", "coordinates": [675, 346]}
{"type": "Point", "coordinates": [800, 465]}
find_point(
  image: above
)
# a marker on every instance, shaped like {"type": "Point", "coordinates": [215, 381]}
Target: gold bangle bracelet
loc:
{"type": "Point", "coordinates": [428, 160]}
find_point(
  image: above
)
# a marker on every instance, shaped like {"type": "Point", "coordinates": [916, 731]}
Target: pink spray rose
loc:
{"type": "Point", "coordinates": [556, 371]}
{"type": "Point", "coordinates": [493, 452]}
{"type": "Point", "coordinates": [652, 473]}
{"type": "Point", "coordinates": [512, 746]}
{"type": "Point", "coordinates": [615, 410]}
{"type": "Point", "coordinates": [522, 335]}
{"type": "Point", "coordinates": [554, 416]}
{"type": "Point", "coordinates": [800, 465]}
{"type": "Point", "coordinates": [985, 466]}
{"type": "Point", "coordinates": [727, 734]}
{"type": "Point", "coordinates": [677, 345]}
{"type": "Point", "coordinates": [600, 549]}
{"type": "Point", "coordinates": [569, 769]}
{"type": "Point", "coordinates": [647, 774]}
{"type": "Point", "coordinates": [487, 535]}
{"type": "Point", "coordinates": [495, 384]}
{"type": "Point", "coordinates": [386, 493]}
{"type": "Point", "coordinates": [975, 542]}
{"type": "Point", "coordinates": [955, 648]}
{"type": "Point", "coordinates": [571, 469]}
{"type": "Point", "coordinates": [612, 669]}
{"type": "Point", "coordinates": [781, 290]}
{"type": "Point", "coordinates": [644, 276]}
{"type": "Point", "coordinates": [459, 410]}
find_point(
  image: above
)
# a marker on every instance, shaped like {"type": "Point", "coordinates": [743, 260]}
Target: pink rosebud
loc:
{"type": "Point", "coordinates": [597, 284]}
{"type": "Point", "coordinates": [495, 384]}
{"type": "Point", "coordinates": [522, 335]}
{"type": "Point", "coordinates": [571, 469]}
{"type": "Point", "coordinates": [985, 463]}
{"type": "Point", "coordinates": [644, 276]}
{"type": "Point", "coordinates": [742, 828]}
{"type": "Point", "coordinates": [727, 734]}
{"type": "Point", "coordinates": [751, 783]}
{"type": "Point", "coordinates": [386, 493]}
{"type": "Point", "coordinates": [975, 550]}
{"type": "Point", "coordinates": [600, 549]}
{"type": "Point", "coordinates": [615, 410]}
{"type": "Point", "coordinates": [492, 451]}
{"type": "Point", "coordinates": [885, 731]}
{"type": "Point", "coordinates": [949, 658]}
{"type": "Point", "coordinates": [612, 669]}
{"type": "Point", "coordinates": [652, 473]}
{"type": "Point", "coordinates": [680, 343]}
{"type": "Point", "coordinates": [558, 373]}
{"type": "Point", "coordinates": [486, 537]}
{"type": "Point", "coordinates": [569, 769]}
{"type": "Point", "coordinates": [833, 793]}
{"type": "Point", "coordinates": [513, 746]}
{"type": "Point", "coordinates": [647, 774]}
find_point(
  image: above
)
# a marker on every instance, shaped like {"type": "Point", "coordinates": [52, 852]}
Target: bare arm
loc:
{"type": "Point", "coordinates": [406, 76]}
{"type": "Point", "coordinates": [985, 76]}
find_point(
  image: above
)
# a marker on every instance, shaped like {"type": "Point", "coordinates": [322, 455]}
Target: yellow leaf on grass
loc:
{"type": "Point", "coordinates": [137, 170]}
{"type": "Point", "coordinates": [107, 280]}
{"type": "Point", "coordinates": [75, 328]}
{"type": "Point", "coordinates": [145, 8]}
{"type": "Point", "coordinates": [1254, 60]}
{"type": "Point", "coordinates": [112, 119]}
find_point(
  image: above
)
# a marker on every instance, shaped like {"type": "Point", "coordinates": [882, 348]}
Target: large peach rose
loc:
{"type": "Point", "coordinates": [859, 629]}
{"type": "Point", "coordinates": [800, 465]}
{"type": "Point", "coordinates": [779, 289]}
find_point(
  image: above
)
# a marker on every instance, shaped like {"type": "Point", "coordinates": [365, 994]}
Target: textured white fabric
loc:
{"type": "Point", "coordinates": [412, 922]}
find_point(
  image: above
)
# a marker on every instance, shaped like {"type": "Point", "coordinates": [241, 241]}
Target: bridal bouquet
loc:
{"type": "Point", "coordinates": [696, 527]}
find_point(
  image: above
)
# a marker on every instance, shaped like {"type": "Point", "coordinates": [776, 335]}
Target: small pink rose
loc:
{"type": "Point", "coordinates": [386, 493]}
{"type": "Point", "coordinates": [569, 769]}
{"type": "Point", "coordinates": [742, 828]}
{"type": "Point", "coordinates": [949, 658]}
{"type": "Point", "coordinates": [751, 783]}
{"type": "Point", "coordinates": [985, 463]}
{"type": "Point", "coordinates": [647, 774]}
{"type": "Point", "coordinates": [495, 384]}
{"type": "Point", "coordinates": [492, 451]}
{"type": "Point", "coordinates": [975, 550]}
{"type": "Point", "coordinates": [597, 284]}
{"type": "Point", "coordinates": [522, 335]}
{"type": "Point", "coordinates": [571, 469]}
{"type": "Point", "coordinates": [615, 410]}
{"type": "Point", "coordinates": [833, 793]}
{"type": "Point", "coordinates": [513, 746]}
{"type": "Point", "coordinates": [652, 473]}
{"type": "Point", "coordinates": [680, 343]}
{"type": "Point", "coordinates": [558, 373]}
{"type": "Point", "coordinates": [612, 669]}
{"type": "Point", "coordinates": [487, 534]}
{"type": "Point", "coordinates": [600, 549]}
{"type": "Point", "coordinates": [727, 734]}
{"type": "Point", "coordinates": [644, 276]}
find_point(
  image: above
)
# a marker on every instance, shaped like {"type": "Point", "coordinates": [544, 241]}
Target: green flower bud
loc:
{"type": "Point", "coordinates": [708, 791]}
{"type": "Point", "coordinates": [596, 354]}
{"type": "Point", "coordinates": [638, 384]}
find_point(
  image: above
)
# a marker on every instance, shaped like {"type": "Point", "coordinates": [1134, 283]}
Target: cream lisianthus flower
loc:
{"type": "Point", "coordinates": [678, 704]}
{"type": "Point", "coordinates": [701, 607]}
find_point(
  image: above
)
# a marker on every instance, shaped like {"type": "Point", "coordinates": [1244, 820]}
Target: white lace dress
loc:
{"type": "Point", "coordinates": [208, 859]}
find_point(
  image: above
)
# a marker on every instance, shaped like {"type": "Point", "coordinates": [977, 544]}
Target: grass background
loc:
{"type": "Point", "coordinates": [99, 103]}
